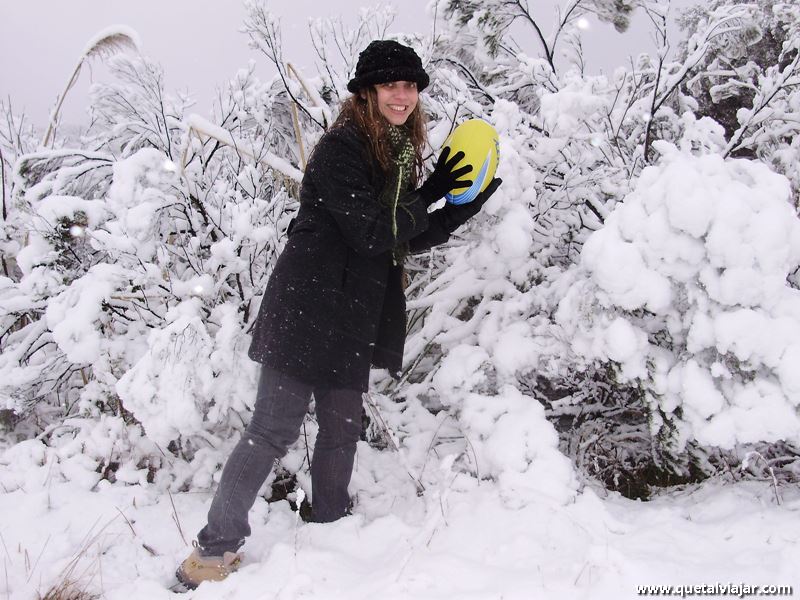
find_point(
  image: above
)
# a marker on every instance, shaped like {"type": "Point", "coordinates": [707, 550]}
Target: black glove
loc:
{"type": "Point", "coordinates": [454, 216]}
{"type": "Point", "coordinates": [444, 178]}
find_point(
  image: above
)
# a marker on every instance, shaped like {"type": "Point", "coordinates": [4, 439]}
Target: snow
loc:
{"type": "Point", "coordinates": [565, 110]}
{"type": "Point", "coordinates": [698, 253]}
{"type": "Point", "coordinates": [699, 392]}
{"type": "Point", "coordinates": [113, 31]}
{"type": "Point", "coordinates": [460, 369]}
{"type": "Point", "coordinates": [459, 539]}
{"type": "Point", "coordinates": [172, 406]}
{"type": "Point", "coordinates": [73, 314]}
{"type": "Point", "coordinates": [622, 340]}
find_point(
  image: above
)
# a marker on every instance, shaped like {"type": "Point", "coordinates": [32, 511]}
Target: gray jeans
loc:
{"type": "Point", "coordinates": [281, 405]}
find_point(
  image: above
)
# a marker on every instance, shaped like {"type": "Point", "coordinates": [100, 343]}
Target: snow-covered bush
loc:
{"type": "Point", "coordinates": [684, 294]}
{"type": "Point", "coordinates": [16, 138]}
{"type": "Point", "coordinates": [588, 139]}
{"type": "Point", "coordinates": [140, 274]}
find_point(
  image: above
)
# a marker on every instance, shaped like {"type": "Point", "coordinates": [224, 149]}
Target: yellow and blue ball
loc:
{"type": "Point", "coordinates": [481, 147]}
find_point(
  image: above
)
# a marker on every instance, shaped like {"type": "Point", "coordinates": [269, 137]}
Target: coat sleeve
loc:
{"type": "Point", "coordinates": [436, 233]}
{"type": "Point", "coordinates": [339, 170]}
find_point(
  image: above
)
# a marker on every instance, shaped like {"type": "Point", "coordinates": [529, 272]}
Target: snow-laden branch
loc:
{"type": "Point", "coordinates": [770, 90]}
{"type": "Point", "coordinates": [196, 123]}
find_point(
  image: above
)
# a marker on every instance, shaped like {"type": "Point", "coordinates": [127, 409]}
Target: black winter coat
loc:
{"type": "Point", "coordinates": [334, 304]}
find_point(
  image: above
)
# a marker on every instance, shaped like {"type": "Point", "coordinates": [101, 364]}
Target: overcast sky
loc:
{"type": "Point", "coordinates": [199, 44]}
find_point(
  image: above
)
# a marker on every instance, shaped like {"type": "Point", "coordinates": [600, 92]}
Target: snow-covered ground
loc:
{"type": "Point", "coordinates": [462, 538]}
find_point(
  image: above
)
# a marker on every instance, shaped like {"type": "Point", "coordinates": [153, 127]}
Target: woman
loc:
{"type": "Point", "coordinates": [334, 304]}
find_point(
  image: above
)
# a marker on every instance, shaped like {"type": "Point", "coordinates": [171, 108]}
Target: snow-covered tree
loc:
{"type": "Point", "coordinates": [748, 78]}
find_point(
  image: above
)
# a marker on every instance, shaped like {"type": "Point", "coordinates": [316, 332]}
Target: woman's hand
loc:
{"type": "Point", "coordinates": [455, 215]}
{"type": "Point", "coordinates": [444, 178]}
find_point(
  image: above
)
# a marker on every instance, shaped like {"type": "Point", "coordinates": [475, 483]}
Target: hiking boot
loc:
{"type": "Point", "coordinates": [197, 568]}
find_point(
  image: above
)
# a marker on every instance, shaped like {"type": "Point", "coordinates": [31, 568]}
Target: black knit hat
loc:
{"type": "Point", "coordinates": [384, 61]}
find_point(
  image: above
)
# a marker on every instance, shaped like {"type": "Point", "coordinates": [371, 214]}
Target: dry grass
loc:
{"type": "Point", "coordinates": [102, 48]}
{"type": "Point", "coordinates": [76, 578]}
{"type": "Point", "coordinates": [68, 590]}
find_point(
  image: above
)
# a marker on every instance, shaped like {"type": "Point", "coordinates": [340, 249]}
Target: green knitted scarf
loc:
{"type": "Point", "coordinates": [398, 181]}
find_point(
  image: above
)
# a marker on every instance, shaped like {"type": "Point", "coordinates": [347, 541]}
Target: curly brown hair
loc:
{"type": "Point", "coordinates": [364, 112]}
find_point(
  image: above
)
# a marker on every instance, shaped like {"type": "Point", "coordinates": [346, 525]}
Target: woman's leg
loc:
{"type": "Point", "coordinates": [281, 405]}
{"type": "Point", "coordinates": [339, 419]}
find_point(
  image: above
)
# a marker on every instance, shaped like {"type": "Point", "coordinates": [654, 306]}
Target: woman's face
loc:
{"type": "Point", "coordinates": [397, 100]}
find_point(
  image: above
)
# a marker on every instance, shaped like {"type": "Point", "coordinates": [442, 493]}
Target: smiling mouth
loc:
{"type": "Point", "coordinates": [397, 108]}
